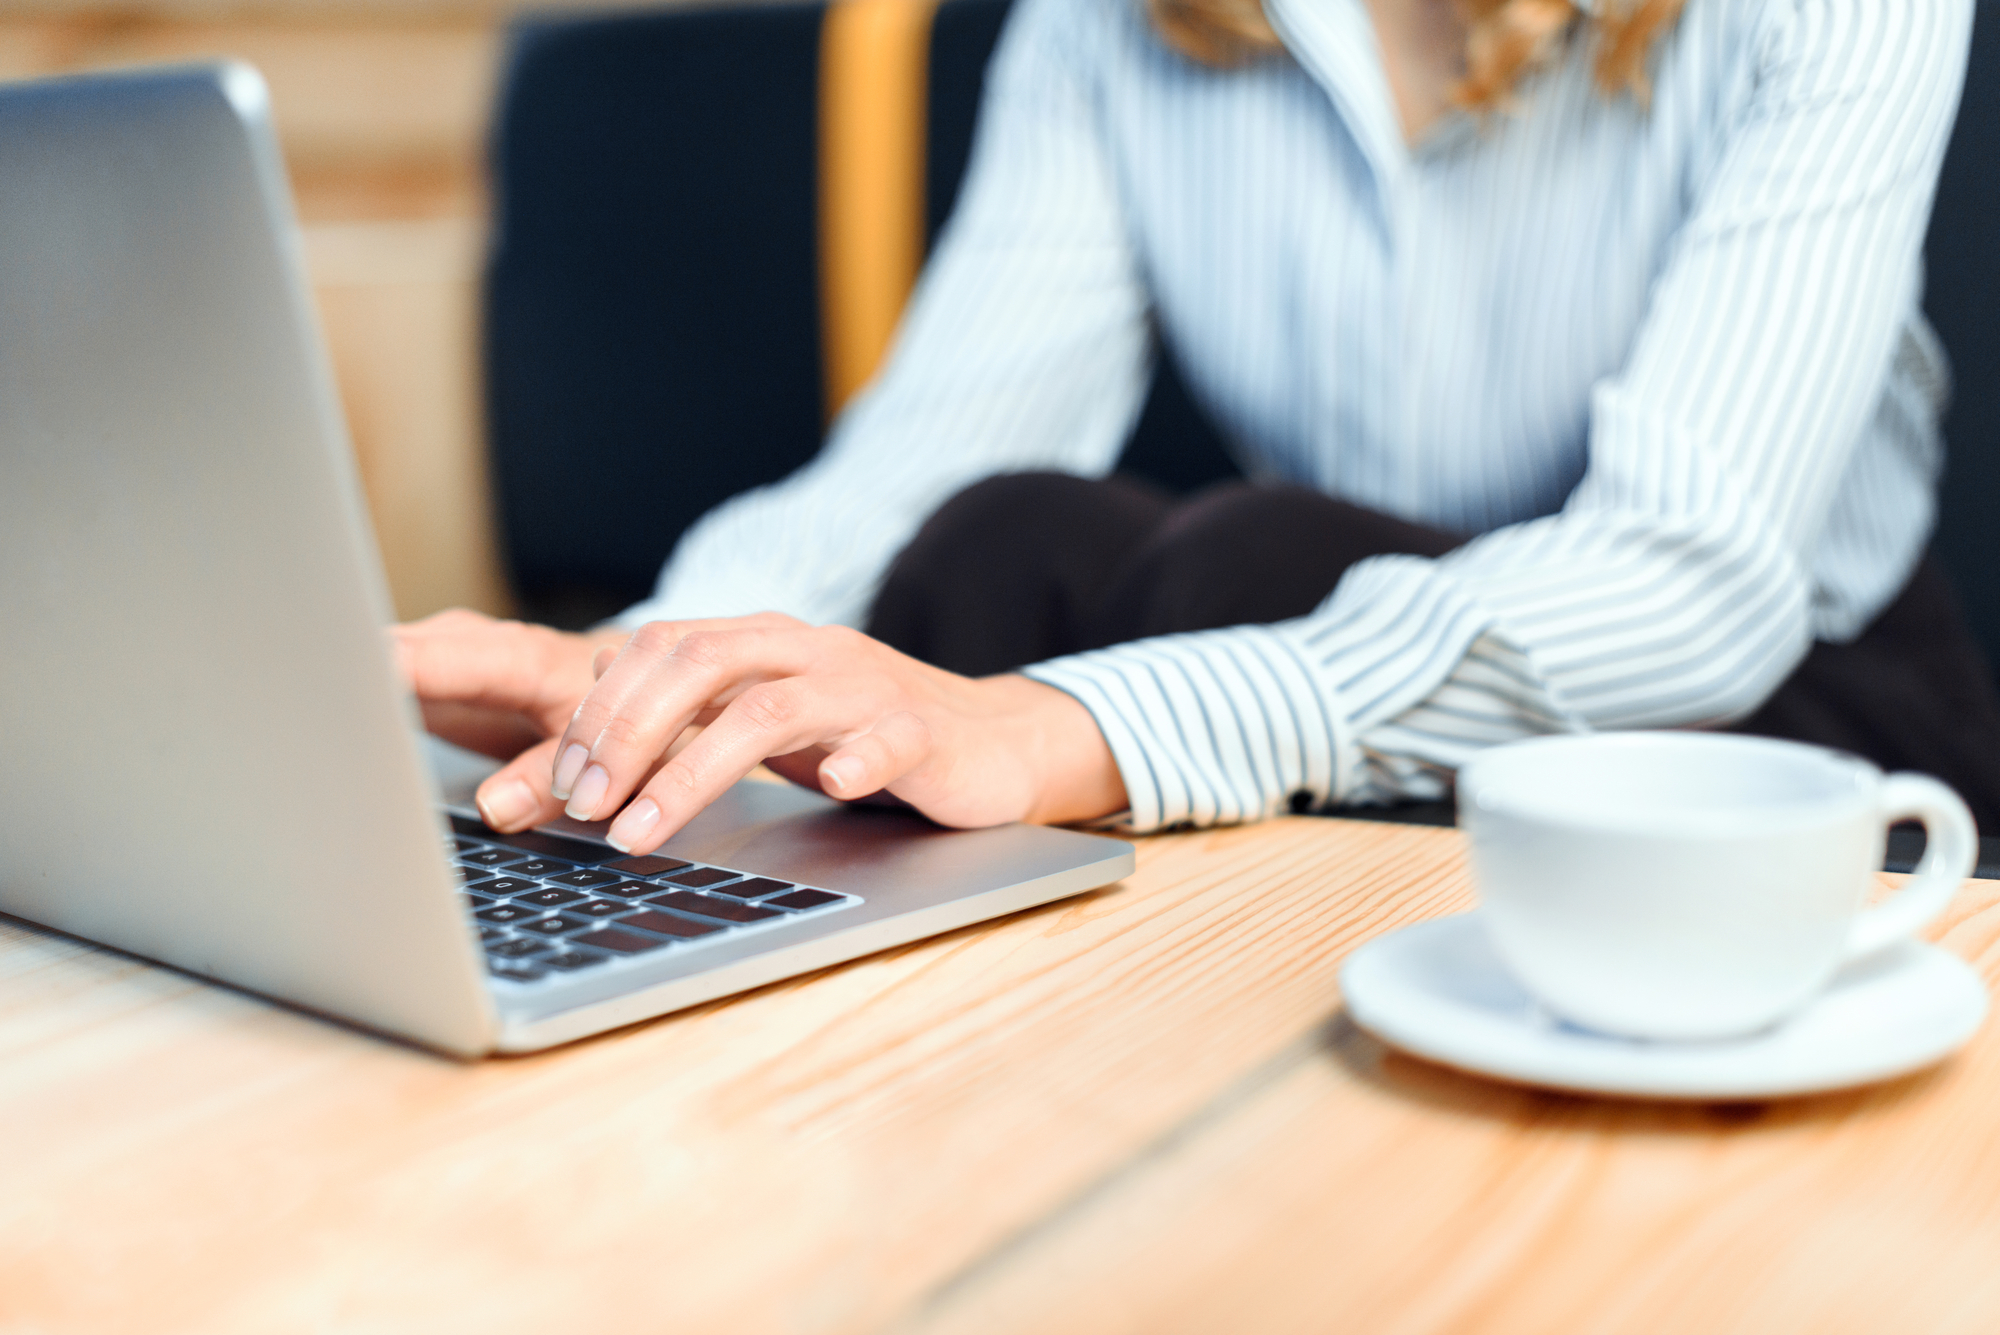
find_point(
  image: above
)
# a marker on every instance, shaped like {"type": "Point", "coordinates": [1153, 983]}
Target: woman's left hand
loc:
{"type": "Point", "coordinates": [828, 708]}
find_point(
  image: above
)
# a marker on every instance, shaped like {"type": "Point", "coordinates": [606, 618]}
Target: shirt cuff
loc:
{"type": "Point", "coordinates": [1210, 728]}
{"type": "Point", "coordinates": [1222, 726]}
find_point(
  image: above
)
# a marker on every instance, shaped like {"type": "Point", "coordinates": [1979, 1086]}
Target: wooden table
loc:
{"type": "Point", "coordinates": [1137, 1111]}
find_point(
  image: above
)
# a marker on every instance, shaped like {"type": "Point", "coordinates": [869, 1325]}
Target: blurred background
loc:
{"type": "Point", "coordinates": [382, 108]}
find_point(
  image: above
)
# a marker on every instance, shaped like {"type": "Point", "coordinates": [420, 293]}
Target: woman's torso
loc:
{"type": "Point", "coordinates": [1421, 331]}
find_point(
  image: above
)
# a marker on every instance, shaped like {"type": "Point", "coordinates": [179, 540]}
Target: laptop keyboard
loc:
{"type": "Point", "coordinates": [547, 907]}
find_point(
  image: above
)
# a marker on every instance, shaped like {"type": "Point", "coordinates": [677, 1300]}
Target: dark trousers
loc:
{"type": "Point", "coordinates": [1030, 566]}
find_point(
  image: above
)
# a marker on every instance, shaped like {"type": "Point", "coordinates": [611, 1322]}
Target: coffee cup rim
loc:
{"type": "Point", "coordinates": [1479, 783]}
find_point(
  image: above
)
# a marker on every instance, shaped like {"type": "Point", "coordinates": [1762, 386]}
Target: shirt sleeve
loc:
{"type": "Point", "coordinates": [1025, 347]}
{"type": "Point", "coordinates": [1673, 589]}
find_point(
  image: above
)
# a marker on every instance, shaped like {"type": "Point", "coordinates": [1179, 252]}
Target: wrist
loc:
{"type": "Point", "coordinates": [1076, 776]}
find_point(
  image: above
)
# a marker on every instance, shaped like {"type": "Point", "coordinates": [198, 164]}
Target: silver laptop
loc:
{"type": "Point", "coordinates": [210, 759]}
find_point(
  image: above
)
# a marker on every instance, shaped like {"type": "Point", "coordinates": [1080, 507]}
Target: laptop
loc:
{"type": "Point", "coordinates": [212, 761]}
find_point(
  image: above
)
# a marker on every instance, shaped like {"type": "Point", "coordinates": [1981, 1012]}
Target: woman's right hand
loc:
{"type": "Point", "coordinates": [503, 688]}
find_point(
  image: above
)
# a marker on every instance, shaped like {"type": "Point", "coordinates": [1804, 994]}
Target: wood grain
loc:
{"type": "Point", "coordinates": [1354, 1188]}
{"type": "Point", "coordinates": [819, 1155]}
{"type": "Point", "coordinates": [1139, 1110]}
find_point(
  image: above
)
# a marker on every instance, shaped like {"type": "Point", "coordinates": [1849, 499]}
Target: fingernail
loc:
{"type": "Point", "coordinates": [506, 806]}
{"type": "Point", "coordinates": [638, 821]}
{"type": "Point", "coordinates": [567, 769]}
{"type": "Point", "coordinates": [843, 772]}
{"type": "Point", "coordinates": [589, 794]}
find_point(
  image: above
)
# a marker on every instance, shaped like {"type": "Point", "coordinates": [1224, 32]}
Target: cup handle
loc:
{"type": "Point", "coordinates": [1951, 852]}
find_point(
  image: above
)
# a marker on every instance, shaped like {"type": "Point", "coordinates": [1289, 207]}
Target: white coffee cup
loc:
{"type": "Point", "coordinates": [1688, 886]}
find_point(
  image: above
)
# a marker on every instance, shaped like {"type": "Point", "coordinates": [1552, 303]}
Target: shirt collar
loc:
{"type": "Point", "coordinates": [1334, 42]}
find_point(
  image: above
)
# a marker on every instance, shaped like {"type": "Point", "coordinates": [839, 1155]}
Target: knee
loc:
{"type": "Point", "coordinates": [1242, 554]}
{"type": "Point", "coordinates": [988, 581]}
{"type": "Point", "coordinates": [1008, 504]}
{"type": "Point", "coordinates": [1214, 512]}
{"type": "Point", "coordinates": [1030, 518]}
{"type": "Point", "coordinates": [1222, 522]}
{"type": "Point", "coordinates": [1266, 525]}
{"type": "Point", "coordinates": [984, 528]}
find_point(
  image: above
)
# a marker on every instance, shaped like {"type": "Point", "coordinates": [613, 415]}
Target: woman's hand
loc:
{"type": "Point", "coordinates": [826, 707]}
{"type": "Point", "coordinates": [501, 688]}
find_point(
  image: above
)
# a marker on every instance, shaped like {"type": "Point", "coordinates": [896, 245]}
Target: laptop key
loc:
{"type": "Point", "coordinates": [540, 867]}
{"type": "Point", "coordinates": [586, 877]}
{"type": "Point", "coordinates": [473, 873]}
{"type": "Point", "coordinates": [630, 889]}
{"type": "Point", "coordinates": [508, 913]}
{"type": "Point", "coordinates": [599, 908]}
{"type": "Point", "coordinates": [703, 876]}
{"type": "Point", "coordinates": [507, 885]}
{"type": "Point", "coordinates": [518, 972]}
{"type": "Point", "coordinates": [646, 866]}
{"type": "Point", "coordinates": [666, 924]}
{"type": "Point", "coordinates": [457, 845]}
{"type": "Point", "coordinates": [516, 947]}
{"type": "Point", "coordinates": [572, 959]}
{"type": "Point", "coordinates": [555, 846]}
{"type": "Point", "coordinates": [754, 888]}
{"type": "Point", "coordinates": [555, 924]}
{"type": "Point", "coordinates": [710, 907]}
{"type": "Point", "coordinates": [804, 899]}
{"type": "Point", "coordinates": [488, 935]}
{"type": "Point", "coordinates": [621, 943]}
{"type": "Point", "coordinates": [549, 899]}
{"type": "Point", "coordinates": [489, 857]}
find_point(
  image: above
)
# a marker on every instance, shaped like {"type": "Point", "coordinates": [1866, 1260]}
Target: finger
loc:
{"type": "Point", "coordinates": [405, 639]}
{"type": "Point", "coordinates": [770, 719]}
{"type": "Point", "coordinates": [517, 796]}
{"type": "Point", "coordinates": [601, 662]}
{"type": "Point", "coordinates": [643, 665]}
{"type": "Point", "coordinates": [475, 660]}
{"type": "Point", "coordinates": [660, 683]}
{"type": "Point", "coordinates": [897, 744]}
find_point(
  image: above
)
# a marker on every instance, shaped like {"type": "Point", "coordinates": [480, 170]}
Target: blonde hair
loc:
{"type": "Point", "coordinates": [1504, 39]}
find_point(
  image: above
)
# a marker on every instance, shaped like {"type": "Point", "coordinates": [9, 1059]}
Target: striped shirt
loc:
{"type": "Point", "coordinates": [1665, 362]}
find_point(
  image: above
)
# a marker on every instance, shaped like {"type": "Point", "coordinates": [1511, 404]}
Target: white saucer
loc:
{"type": "Point", "coordinates": [1438, 990]}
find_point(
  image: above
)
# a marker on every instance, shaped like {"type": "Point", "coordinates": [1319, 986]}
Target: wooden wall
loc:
{"type": "Point", "coordinates": [382, 109]}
